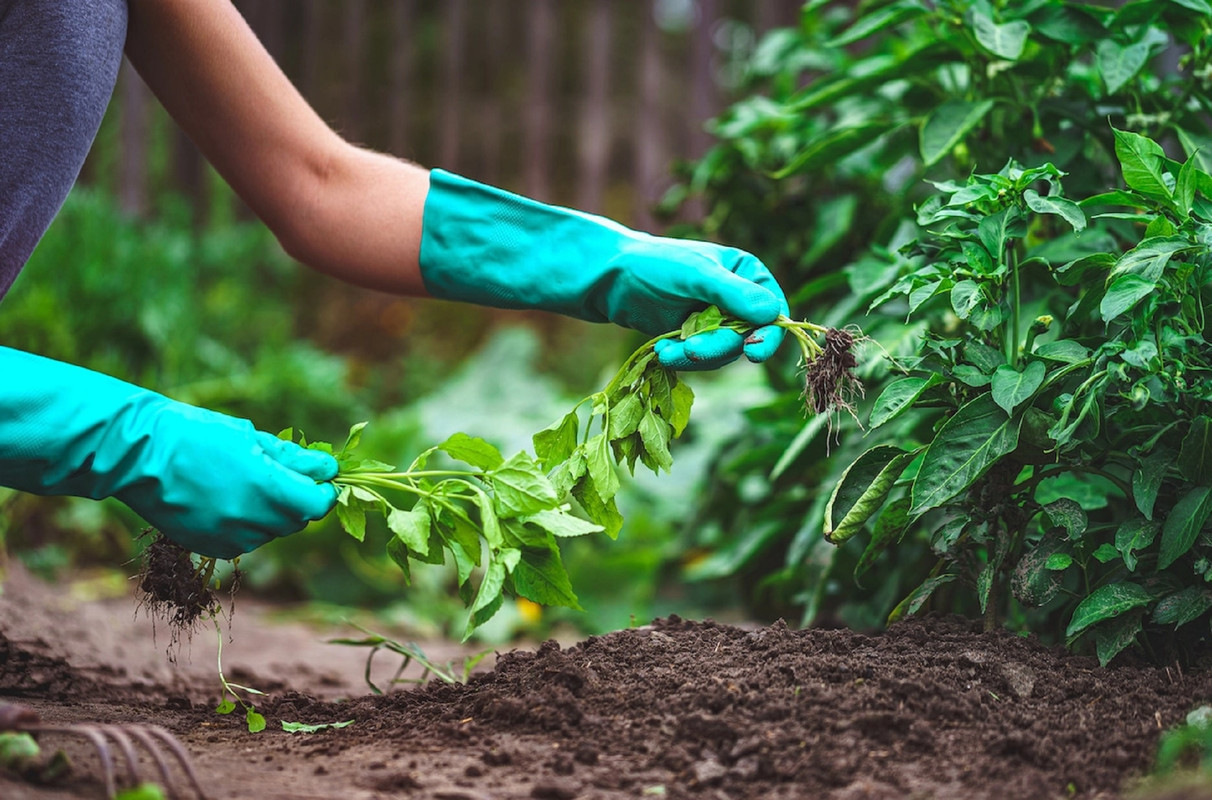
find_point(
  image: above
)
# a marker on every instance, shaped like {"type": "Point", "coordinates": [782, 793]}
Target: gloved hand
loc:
{"type": "Point", "coordinates": [487, 246]}
{"type": "Point", "coordinates": [209, 482]}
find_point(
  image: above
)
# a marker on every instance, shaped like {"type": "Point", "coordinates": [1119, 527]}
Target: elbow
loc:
{"type": "Point", "coordinates": [303, 219]}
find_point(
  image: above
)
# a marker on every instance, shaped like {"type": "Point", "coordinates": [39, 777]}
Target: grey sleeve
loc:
{"type": "Point", "coordinates": [59, 60]}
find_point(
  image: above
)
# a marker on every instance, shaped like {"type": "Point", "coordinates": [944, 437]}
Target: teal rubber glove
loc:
{"type": "Point", "coordinates": [490, 247]}
{"type": "Point", "coordinates": [211, 483]}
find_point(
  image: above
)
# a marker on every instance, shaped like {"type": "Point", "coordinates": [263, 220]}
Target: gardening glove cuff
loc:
{"type": "Point", "coordinates": [212, 483]}
{"type": "Point", "coordinates": [487, 246]}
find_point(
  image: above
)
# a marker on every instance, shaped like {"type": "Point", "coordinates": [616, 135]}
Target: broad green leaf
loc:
{"type": "Point", "coordinates": [974, 439]}
{"type": "Point", "coordinates": [947, 125]}
{"type": "Point", "coordinates": [540, 577]}
{"type": "Point", "coordinates": [1118, 63]}
{"type": "Point", "coordinates": [254, 721]}
{"type": "Point", "coordinates": [472, 450]}
{"type": "Point", "coordinates": [1069, 25]}
{"type": "Point", "coordinates": [562, 524]}
{"type": "Point", "coordinates": [1184, 189]}
{"type": "Point", "coordinates": [625, 416]}
{"type": "Point", "coordinates": [994, 231]}
{"type": "Point", "coordinates": [1186, 605]}
{"type": "Point", "coordinates": [1011, 387]}
{"type": "Point", "coordinates": [889, 527]}
{"type": "Point", "coordinates": [488, 598]}
{"type": "Point", "coordinates": [489, 524]}
{"type": "Point", "coordinates": [971, 376]}
{"type": "Point", "coordinates": [1106, 602]}
{"type": "Point", "coordinates": [1195, 458]}
{"type": "Point", "coordinates": [1005, 40]}
{"type": "Point", "coordinates": [655, 433]}
{"type": "Point", "coordinates": [1134, 535]}
{"type": "Point", "coordinates": [353, 520]}
{"type": "Point", "coordinates": [1124, 293]}
{"type": "Point", "coordinates": [978, 258]}
{"type": "Point", "coordinates": [303, 727]}
{"type": "Point", "coordinates": [1105, 553]}
{"type": "Point", "coordinates": [398, 553]}
{"type": "Point", "coordinates": [984, 357]}
{"type": "Point", "coordinates": [463, 539]}
{"type": "Point", "coordinates": [354, 438]}
{"type": "Point", "coordinates": [225, 707]}
{"type": "Point", "coordinates": [918, 597]}
{"type": "Point", "coordinates": [567, 473]}
{"type": "Point", "coordinates": [601, 510]}
{"type": "Point", "coordinates": [813, 426]}
{"type": "Point", "coordinates": [1183, 524]}
{"type": "Point", "coordinates": [683, 399]}
{"type": "Point", "coordinates": [1059, 561]}
{"type": "Point", "coordinates": [1148, 259]}
{"type": "Point", "coordinates": [557, 442]}
{"type": "Point", "coordinates": [1037, 578]}
{"type": "Point", "coordinates": [862, 490]}
{"type": "Point", "coordinates": [1069, 210]}
{"type": "Point", "coordinates": [964, 297]}
{"type": "Point", "coordinates": [876, 21]}
{"type": "Point", "coordinates": [1198, 6]}
{"type": "Point", "coordinates": [896, 397]}
{"type": "Point", "coordinates": [1065, 351]}
{"type": "Point", "coordinates": [1067, 514]}
{"type": "Point", "coordinates": [601, 467]}
{"type": "Point", "coordinates": [411, 527]}
{"type": "Point", "coordinates": [834, 144]}
{"type": "Point", "coordinates": [1198, 147]}
{"type": "Point", "coordinates": [1113, 636]}
{"type": "Point", "coordinates": [520, 487]}
{"type": "Point", "coordinates": [1141, 161]}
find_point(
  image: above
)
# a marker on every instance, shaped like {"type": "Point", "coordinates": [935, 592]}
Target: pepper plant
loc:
{"type": "Point", "coordinates": [1055, 443]}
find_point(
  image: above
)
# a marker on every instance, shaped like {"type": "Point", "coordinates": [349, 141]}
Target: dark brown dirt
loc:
{"type": "Point", "coordinates": [933, 708]}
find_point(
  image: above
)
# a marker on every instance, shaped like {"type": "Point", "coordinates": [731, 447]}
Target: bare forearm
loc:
{"type": "Point", "coordinates": [345, 211]}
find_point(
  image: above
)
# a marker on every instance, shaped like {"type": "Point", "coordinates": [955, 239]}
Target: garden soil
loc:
{"type": "Point", "coordinates": [933, 708]}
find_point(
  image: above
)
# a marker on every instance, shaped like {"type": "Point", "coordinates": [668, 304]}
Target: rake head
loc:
{"type": "Point", "coordinates": [152, 741]}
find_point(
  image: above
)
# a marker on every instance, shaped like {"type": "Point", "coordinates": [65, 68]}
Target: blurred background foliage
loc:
{"type": "Point", "coordinates": [799, 131]}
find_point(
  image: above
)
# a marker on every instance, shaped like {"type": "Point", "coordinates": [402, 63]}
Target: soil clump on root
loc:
{"type": "Point", "coordinates": [173, 588]}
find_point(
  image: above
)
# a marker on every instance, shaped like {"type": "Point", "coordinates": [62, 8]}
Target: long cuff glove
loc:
{"type": "Point", "coordinates": [209, 482]}
{"type": "Point", "coordinates": [487, 246]}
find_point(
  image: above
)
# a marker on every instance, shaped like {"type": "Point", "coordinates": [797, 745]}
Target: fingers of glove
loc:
{"type": "Point", "coordinates": [763, 342]}
{"type": "Point", "coordinates": [301, 500]}
{"type": "Point", "coordinates": [317, 465]}
{"type": "Point", "coordinates": [741, 297]}
{"type": "Point", "coordinates": [703, 351]}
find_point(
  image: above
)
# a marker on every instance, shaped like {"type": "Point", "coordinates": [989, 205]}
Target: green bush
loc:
{"type": "Point", "coordinates": [826, 162]}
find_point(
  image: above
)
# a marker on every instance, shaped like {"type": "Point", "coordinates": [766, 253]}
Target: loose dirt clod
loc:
{"type": "Point", "coordinates": [173, 588]}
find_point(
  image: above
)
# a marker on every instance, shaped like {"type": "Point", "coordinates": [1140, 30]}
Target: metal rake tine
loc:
{"type": "Point", "coordinates": [98, 741]}
{"type": "Point", "coordinates": [149, 744]}
{"type": "Point", "coordinates": [175, 747]}
{"type": "Point", "coordinates": [119, 735]}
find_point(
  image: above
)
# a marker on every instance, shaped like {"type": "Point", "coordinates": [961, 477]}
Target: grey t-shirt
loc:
{"type": "Point", "coordinates": [59, 60]}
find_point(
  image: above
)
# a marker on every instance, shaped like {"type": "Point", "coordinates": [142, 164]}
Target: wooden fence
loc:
{"type": "Point", "coordinates": [579, 102]}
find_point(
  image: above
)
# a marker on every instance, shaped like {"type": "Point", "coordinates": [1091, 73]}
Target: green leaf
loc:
{"type": "Point", "coordinates": [625, 416]}
{"type": "Point", "coordinates": [1184, 189]}
{"type": "Point", "coordinates": [994, 231]}
{"type": "Point", "coordinates": [601, 467]}
{"type": "Point", "coordinates": [1185, 605]}
{"type": "Point", "coordinates": [898, 396]}
{"type": "Point", "coordinates": [918, 597]}
{"type": "Point", "coordinates": [562, 524]}
{"type": "Point", "coordinates": [1005, 40]}
{"type": "Point", "coordinates": [1124, 293]}
{"type": "Point", "coordinates": [225, 707]}
{"type": "Point", "coordinates": [353, 439]}
{"type": "Point", "coordinates": [1105, 602]}
{"type": "Point", "coordinates": [1070, 211]}
{"type": "Point", "coordinates": [398, 553]}
{"type": "Point", "coordinates": [256, 722]}
{"type": "Point", "coordinates": [303, 727]}
{"type": "Point", "coordinates": [862, 490]}
{"type": "Point", "coordinates": [655, 434]}
{"type": "Point", "coordinates": [1065, 351]}
{"type": "Point", "coordinates": [520, 487]}
{"type": "Point", "coordinates": [1069, 25]}
{"type": "Point", "coordinates": [683, 398]}
{"type": "Point", "coordinates": [557, 442]}
{"type": "Point", "coordinates": [601, 510]}
{"type": "Point", "coordinates": [1059, 561]}
{"type": "Point", "coordinates": [472, 450]}
{"type": "Point", "coordinates": [1118, 63]}
{"type": "Point", "coordinates": [353, 520]}
{"type": "Point", "coordinates": [876, 21]}
{"type": "Point", "coordinates": [488, 597]}
{"type": "Point", "coordinates": [1113, 636]}
{"type": "Point", "coordinates": [1105, 553]}
{"type": "Point", "coordinates": [834, 144]}
{"type": "Point", "coordinates": [540, 577]}
{"type": "Point", "coordinates": [1133, 535]}
{"type": "Point", "coordinates": [411, 527]}
{"type": "Point", "coordinates": [708, 319]}
{"type": "Point", "coordinates": [970, 376]}
{"type": "Point", "coordinates": [1011, 387]}
{"type": "Point", "coordinates": [964, 297]}
{"type": "Point", "coordinates": [889, 527]}
{"type": "Point", "coordinates": [1141, 159]}
{"type": "Point", "coordinates": [1195, 458]}
{"type": "Point", "coordinates": [489, 524]}
{"type": "Point", "coordinates": [974, 439]}
{"type": "Point", "coordinates": [1183, 524]}
{"type": "Point", "coordinates": [1198, 148]}
{"type": "Point", "coordinates": [1068, 514]}
{"type": "Point", "coordinates": [947, 125]}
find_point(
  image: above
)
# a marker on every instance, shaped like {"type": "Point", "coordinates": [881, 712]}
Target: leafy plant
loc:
{"type": "Point", "coordinates": [1053, 438]}
{"type": "Point", "coordinates": [824, 163]}
{"type": "Point", "coordinates": [410, 652]}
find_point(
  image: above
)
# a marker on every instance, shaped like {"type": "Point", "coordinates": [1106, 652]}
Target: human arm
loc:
{"type": "Point", "coordinates": [209, 482]}
{"type": "Point", "coordinates": [383, 223]}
